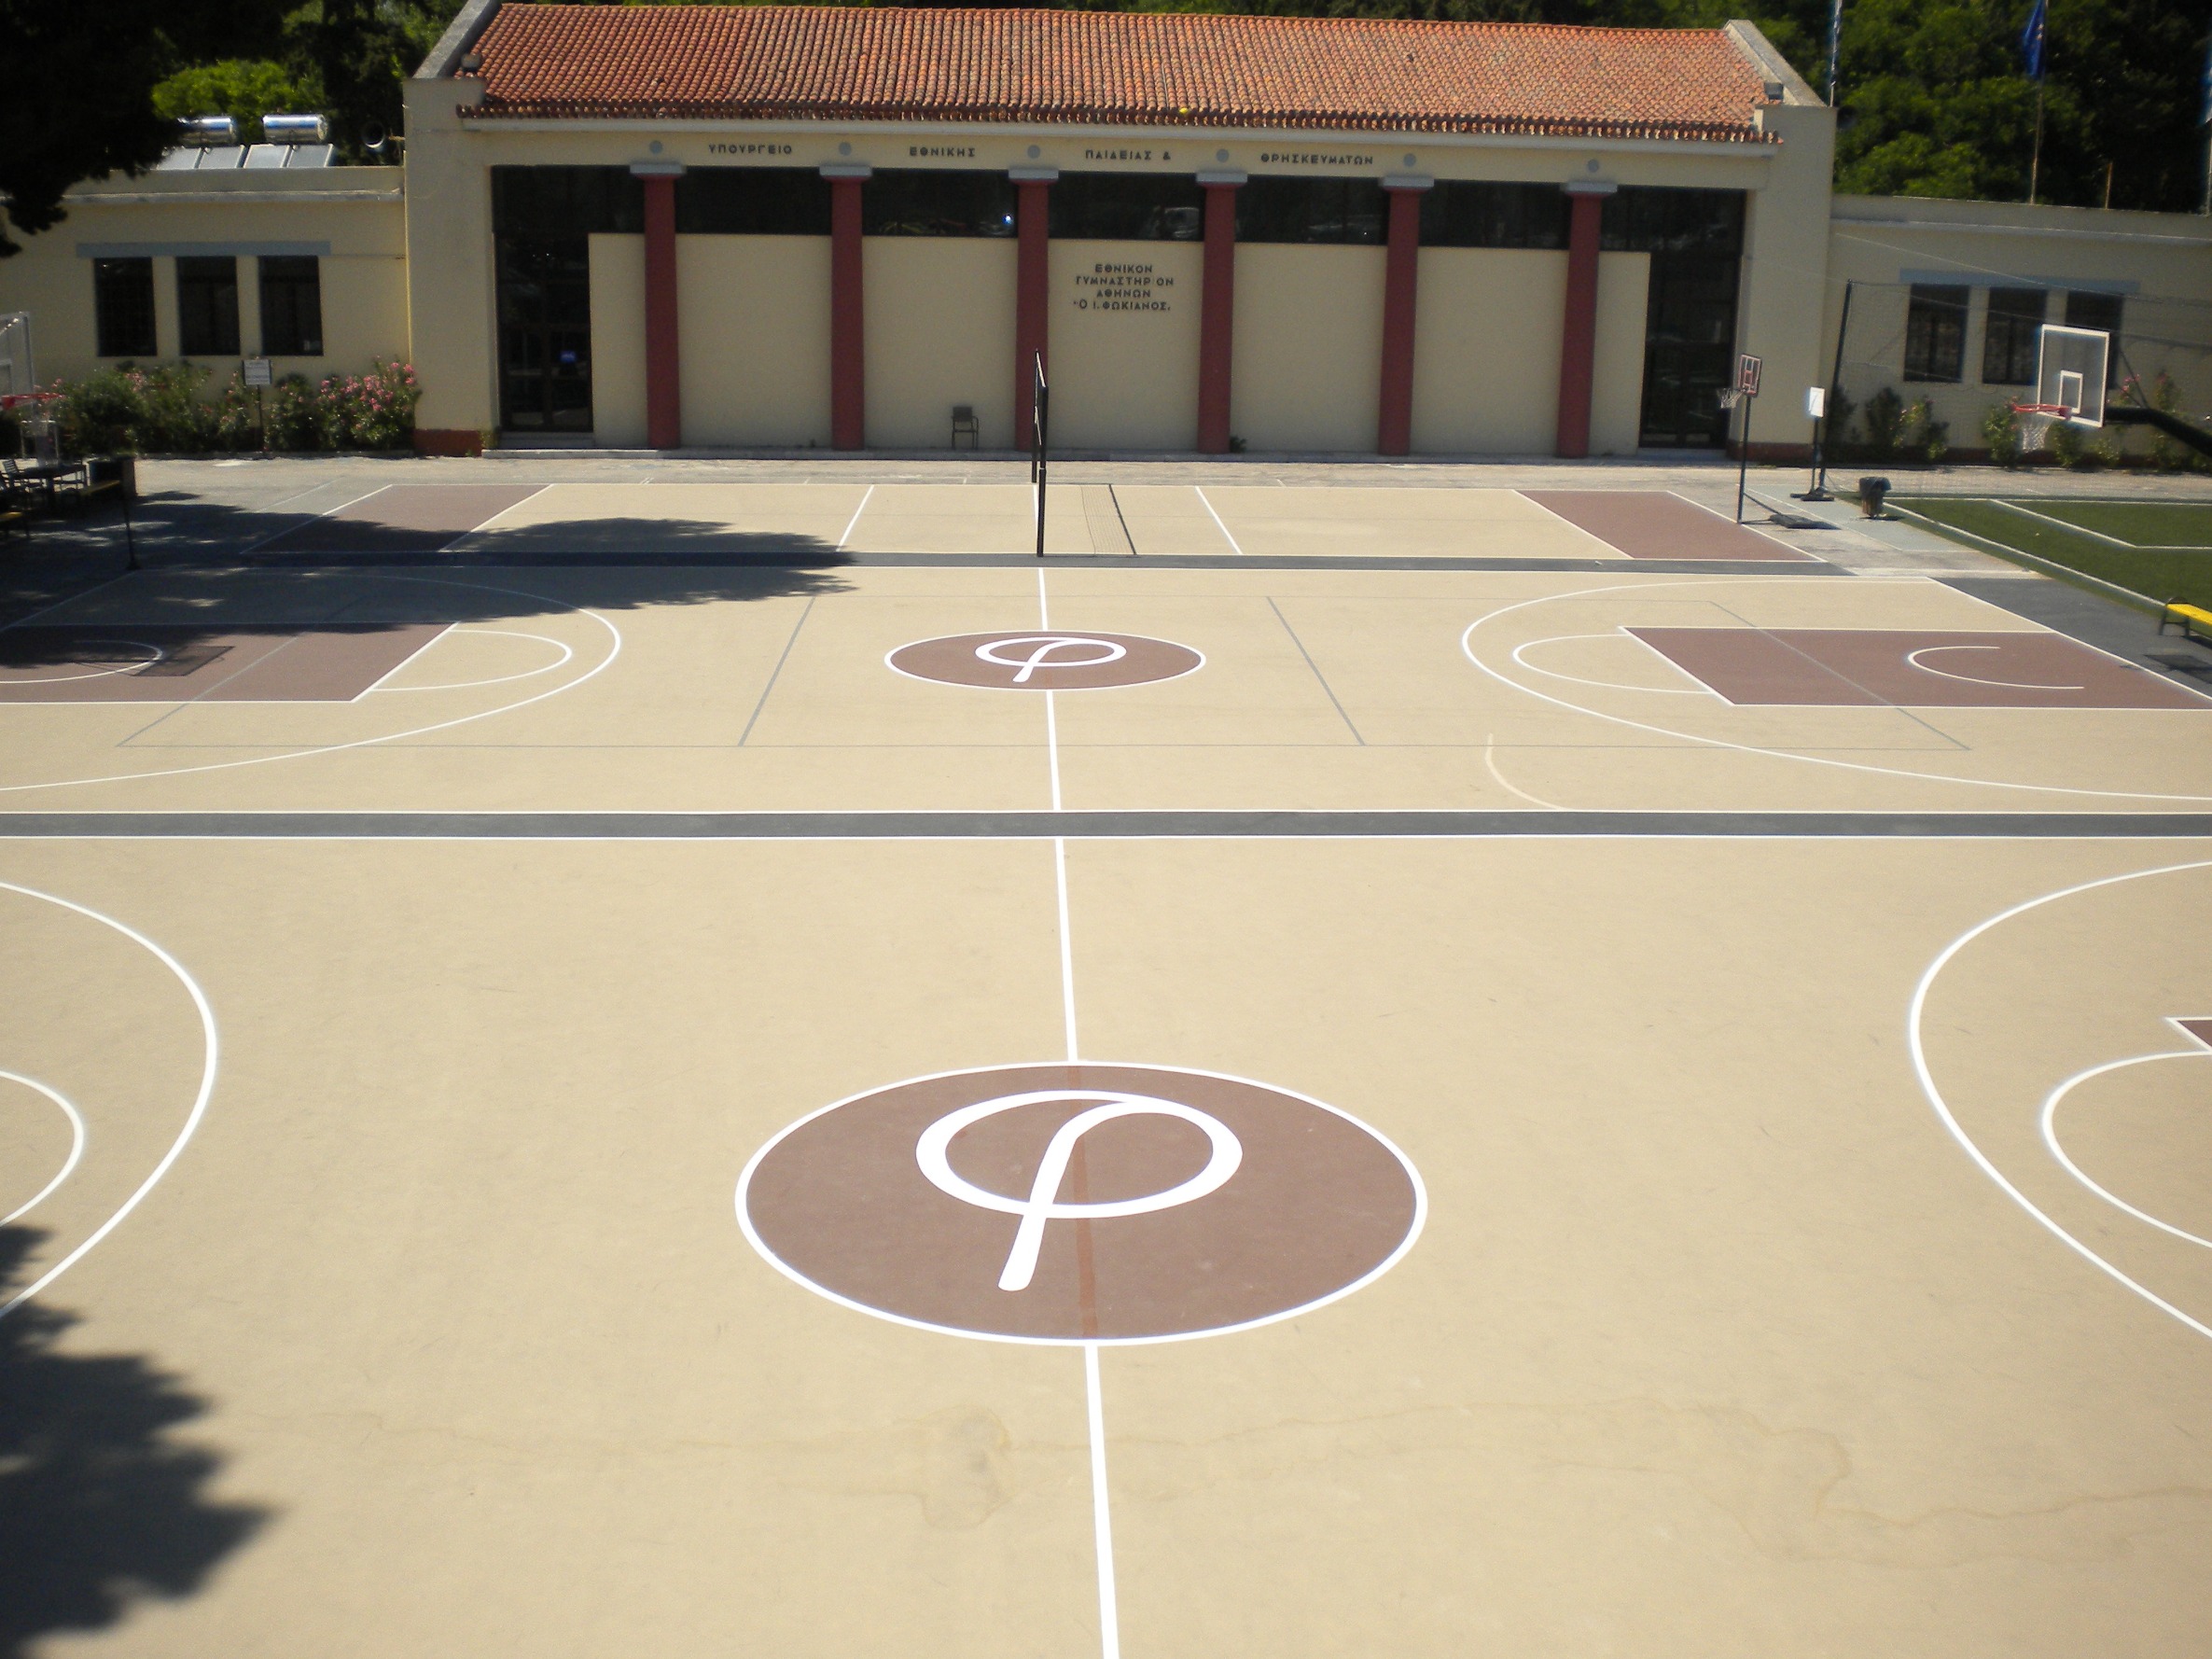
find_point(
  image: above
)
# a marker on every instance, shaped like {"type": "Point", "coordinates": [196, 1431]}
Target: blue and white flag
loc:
{"type": "Point", "coordinates": [2031, 42]}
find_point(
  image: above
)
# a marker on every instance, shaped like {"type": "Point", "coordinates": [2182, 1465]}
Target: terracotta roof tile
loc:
{"type": "Point", "coordinates": [782, 62]}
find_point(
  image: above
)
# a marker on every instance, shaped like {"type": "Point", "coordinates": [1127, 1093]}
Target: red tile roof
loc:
{"type": "Point", "coordinates": [782, 62]}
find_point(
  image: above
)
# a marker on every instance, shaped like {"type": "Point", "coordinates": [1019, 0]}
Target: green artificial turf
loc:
{"type": "Point", "coordinates": [2156, 575]}
{"type": "Point", "coordinates": [2146, 524]}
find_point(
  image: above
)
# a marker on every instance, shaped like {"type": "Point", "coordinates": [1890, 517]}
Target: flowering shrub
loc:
{"type": "Point", "coordinates": [162, 410]}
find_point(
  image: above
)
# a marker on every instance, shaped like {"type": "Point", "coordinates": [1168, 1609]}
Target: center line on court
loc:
{"type": "Point", "coordinates": [1043, 621]}
{"type": "Point", "coordinates": [1101, 1519]}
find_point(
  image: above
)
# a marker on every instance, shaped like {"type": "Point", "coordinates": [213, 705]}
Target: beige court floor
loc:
{"type": "Point", "coordinates": [1717, 1342]}
{"type": "Point", "coordinates": [1231, 520]}
{"type": "Point", "coordinates": [721, 689]}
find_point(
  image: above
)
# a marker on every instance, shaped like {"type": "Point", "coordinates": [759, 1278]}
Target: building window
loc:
{"type": "Point", "coordinates": [545, 333]}
{"type": "Point", "coordinates": [1936, 333]}
{"type": "Point", "coordinates": [123, 307]}
{"type": "Point", "coordinates": [2100, 312]}
{"type": "Point", "coordinates": [2012, 336]}
{"type": "Point", "coordinates": [752, 202]}
{"type": "Point", "coordinates": [1128, 207]}
{"type": "Point", "coordinates": [291, 305]}
{"type": "Point", "coordinates": [1457, 213]}
{"type": "Point", "coordinates": [1695, 239]}
{"type": "Point", "coordinates": [1323, 210]}
{"type": "Point", "coordinates": [926, 202]}
{"type": "Point", "coordinates": [567, 202]}
{"type": "Point", "coordinates": [207, 307]}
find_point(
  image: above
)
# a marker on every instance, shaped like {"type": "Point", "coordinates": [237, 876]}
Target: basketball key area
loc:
{"type": "Point", "coordinates": [941, 1109]}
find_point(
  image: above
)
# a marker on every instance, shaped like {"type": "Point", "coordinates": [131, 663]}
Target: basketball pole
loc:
{"type": "Point", "coordinates": [1743, 453]}
{"type": "Point", "coordinates": [1037, 428]}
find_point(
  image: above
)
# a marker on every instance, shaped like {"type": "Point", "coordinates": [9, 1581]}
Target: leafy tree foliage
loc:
{"type": "Point", "coordinates": [243, 89]}
{"type": "Point", "coordinates": [80, 82]}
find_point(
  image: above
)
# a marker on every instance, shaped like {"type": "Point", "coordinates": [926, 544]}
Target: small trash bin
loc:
{"type": "Point", "coordinates": [1872, 492]}
{"type": "Point", "coordinates": [121, 470]}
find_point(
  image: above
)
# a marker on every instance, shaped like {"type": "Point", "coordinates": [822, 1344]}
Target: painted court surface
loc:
{"type": "Point", "coordinates": [717, 1068]}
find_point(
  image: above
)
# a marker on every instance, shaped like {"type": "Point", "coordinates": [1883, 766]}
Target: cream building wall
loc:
{"type": "Point", "coordinates": [753, 312]}
{"type": "Point", "coordinates": [352, 219]}
{"type": "Point", "coordinates": [1124, 356]}
{"type": "Point", "coordinates": [1486, 334]}
{"type": "Point", "coordinates": [1306, 347]}
{"type": "Point", "coordinates": [940, 329]}
{"type": "Point", "coordinates": [618, 341]}
{"type": "Point", "coordinates": [451, 295]}
{"type": "Point", "coordinates": [2158, 265]}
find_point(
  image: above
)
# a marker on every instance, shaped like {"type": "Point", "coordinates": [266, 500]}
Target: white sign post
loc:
{"type": "Point", "coordinates": [260, 374]}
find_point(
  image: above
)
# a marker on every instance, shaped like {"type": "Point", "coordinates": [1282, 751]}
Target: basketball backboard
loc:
{"type": "Point", "coordinates": [2070, 367]}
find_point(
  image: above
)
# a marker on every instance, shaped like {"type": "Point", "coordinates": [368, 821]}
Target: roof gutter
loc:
{"type": "Point", "coordinates": [1759, 147]}
{"type": "Point", "coordinates": [458, 40]}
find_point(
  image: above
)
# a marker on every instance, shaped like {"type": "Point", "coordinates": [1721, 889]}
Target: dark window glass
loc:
{"type": "Point", "coordinates": [1936, 332]}
{"type": "Point", "coordinates": [1695, 239]}
{"type": "Point", "coordinates": [2100, 312]}
{"type": "Point", "coordinates": [752, 202]}
{"type": "Point", "coordinates": [2012, 337]}
{"type": "Point", "coordinates": [1329, 210]}
{"type": "Point", "coordinates": [1458, 213]}
{"type": "Point", "coordinates": [1643, 218]}
{"type": "Point", "coordinates": [545, 333]}
{"type": "Point", "coordinates": [567, 202]}
{"type": "Point", "coordinates": [926, 202]}
{"type": "Point", "coordinates": [123, 307]}
{"type": "Point", "coordinates": [291, 305]}
{"type": "Point", "coordinates": [1129, 207]}
{"type": "Point", "coordinates": [207, 306]}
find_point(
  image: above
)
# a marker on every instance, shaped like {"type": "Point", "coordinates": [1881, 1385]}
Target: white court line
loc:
{"type": "Point", "coordinates": [77, 1144]}
{"type": "Point", "coordinates": [63, 679]}
{"type": "Point", "coordinates": [1974, 679]}
{"type": "Point", "coordinates": [1234, 548]}
{"type": "Point", "coordinates": [1490, 760]}
{"type": "Point", "coordinates": [1699, 688]}
{"type": "Point", "coordinates": [362, 743]}
{"type": "Point", "coordinates": [2133, 546]}
{"type": "Point", "coordinates": [1468, 650]}
{"type": "Point", "coordinates": [567, 656]}
{"type": "Point", "coordinates": [206, 1091]}
{"type": "Point", "coordinates": [1915, 1016]}
{"type": "Point", "coordinates": [318, 518]}
{"type": "Point", "coordinates": [2058, 1151]}
{"type": "Point", "coordinates": [1102, 1521]}
{"type": "Point", "coordinates": [1795, 552]}
{"type": "Point", "coordinates": [855, 522]}
{"type": "Point", "coordinates": [1044, 623]}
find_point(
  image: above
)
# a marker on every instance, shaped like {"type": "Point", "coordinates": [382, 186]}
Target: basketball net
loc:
{"type": "Point", "coordinates": [2036, 421]}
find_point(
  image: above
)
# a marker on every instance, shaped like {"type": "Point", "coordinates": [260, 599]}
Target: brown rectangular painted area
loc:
{"type": "Point", "coordinates": [2200, 1029]}
{"type": "Point", "coordinates": [175, 663]}
{"type": "Point", "coordinates": [1653, 524]}
{"type": "Point", "coordinates": [1911, 668]}
{"type": "Point", "coordinates": [402, 519]}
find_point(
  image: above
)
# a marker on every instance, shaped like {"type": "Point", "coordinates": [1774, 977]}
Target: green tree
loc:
{"type": "Point", "coordinates": [80, 80]}
{"type": "Point", "coordinates": [243, 89]}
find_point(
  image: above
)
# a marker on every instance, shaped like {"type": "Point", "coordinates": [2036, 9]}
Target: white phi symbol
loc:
{"type": "Point", "coordinates": [1043, 1204]}
{"type": "Point", "coordinates": [1045, 644]}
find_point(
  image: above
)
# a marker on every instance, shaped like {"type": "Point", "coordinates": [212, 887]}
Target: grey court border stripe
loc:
{"type": "Point", "coordinates": [1090, 826]}
{"type": "Point", "coordinates": [488, 558]}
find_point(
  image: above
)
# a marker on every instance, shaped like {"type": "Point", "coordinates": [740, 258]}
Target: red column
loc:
{"type": "Point", "coordinates": [848, 361]}
{"type": "Point", "coordinates": [1578, 344]}
{"type": "Point", "coordinates": [1402, 274]}
{"type": "Point", "coordinates": [664, 391]}
{"type": "Point", "coordinates": [1031, 296]}
{"type": "Point", "coordinates": [1217, 313]}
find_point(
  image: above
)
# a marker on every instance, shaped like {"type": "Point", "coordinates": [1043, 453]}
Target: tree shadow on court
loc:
{"type": "Point", "coordinates": [101, 1509]}
{"type": "Point", "coordinates": [580, 564]}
